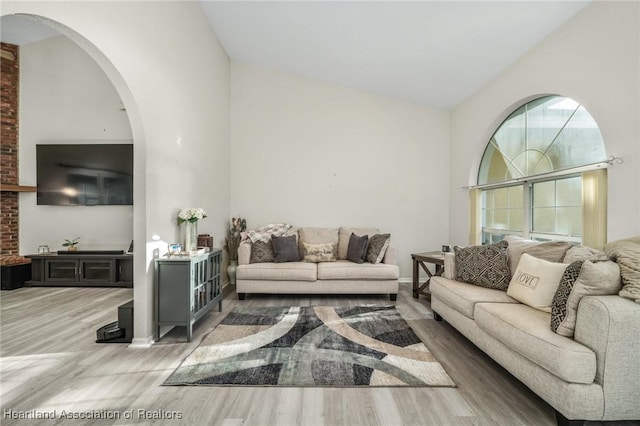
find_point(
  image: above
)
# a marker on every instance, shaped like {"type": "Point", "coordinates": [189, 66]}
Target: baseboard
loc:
{"type": "Point", "coordinates": [141, 342]}
{"type": "Point", "coordinates": [405, 280]}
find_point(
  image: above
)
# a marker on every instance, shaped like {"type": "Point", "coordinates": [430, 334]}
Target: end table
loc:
{"type": "Point", "coordinates": [420, 259]}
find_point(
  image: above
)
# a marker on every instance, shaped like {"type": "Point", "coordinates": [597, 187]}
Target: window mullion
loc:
{"type": "Point", "coordinates": [527, 203]}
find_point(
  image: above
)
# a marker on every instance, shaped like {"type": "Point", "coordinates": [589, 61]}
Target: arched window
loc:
{"type": "Point", "coordinates": [536, 171]}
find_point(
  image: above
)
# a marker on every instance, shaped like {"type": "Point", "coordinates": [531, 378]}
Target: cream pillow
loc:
{"type": "Point", "coordinates": [535, 282]}
{"type": "Point", "coordinates": [320, 252]}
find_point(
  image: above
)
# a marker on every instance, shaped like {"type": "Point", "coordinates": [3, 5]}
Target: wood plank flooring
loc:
{"type": "Point", "coordinates": [50, 362]}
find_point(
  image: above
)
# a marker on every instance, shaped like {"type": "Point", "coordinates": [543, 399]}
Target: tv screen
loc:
{"type": "Point", "coordinates": [85, 175]}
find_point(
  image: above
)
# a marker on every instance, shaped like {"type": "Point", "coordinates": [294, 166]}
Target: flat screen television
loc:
{"type": "Point", "coordinates": [84, 175]}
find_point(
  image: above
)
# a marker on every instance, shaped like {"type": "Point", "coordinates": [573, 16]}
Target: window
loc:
{"type": "Point", "coordinates": [531, 174]}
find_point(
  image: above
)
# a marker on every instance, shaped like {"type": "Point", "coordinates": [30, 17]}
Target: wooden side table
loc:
{"type": "Point", "coordinates": [420, 259]}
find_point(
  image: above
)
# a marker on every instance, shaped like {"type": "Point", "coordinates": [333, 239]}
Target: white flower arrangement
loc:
{"type": "Point", "coordinates": [191, 215]}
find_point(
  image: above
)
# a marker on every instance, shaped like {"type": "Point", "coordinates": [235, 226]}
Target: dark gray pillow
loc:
{"type": "Point", "coordinates": [285, 249]}
{"type": "Point", "coordinates": [357, 249]}
{"type": "Point", "coordinates": [261, 252]}
{"type": "Point", "coordinates": [377, 247]}
{"type": "Point", "coordinates": [484, 266]}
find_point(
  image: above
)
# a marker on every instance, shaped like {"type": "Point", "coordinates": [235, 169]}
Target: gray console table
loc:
{"type": "Point", "coordinates": [186, 287]}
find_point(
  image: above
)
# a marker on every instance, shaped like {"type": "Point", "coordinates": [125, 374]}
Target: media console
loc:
{"type": "Point", "coordinates": [81, 269]}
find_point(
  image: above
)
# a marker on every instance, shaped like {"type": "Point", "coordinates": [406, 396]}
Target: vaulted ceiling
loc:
{"type": "Point", "coordinates": [433, 53]}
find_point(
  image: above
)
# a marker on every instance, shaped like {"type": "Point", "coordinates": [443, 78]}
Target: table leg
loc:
{"type": "Point", "coordinates": [415, 278]}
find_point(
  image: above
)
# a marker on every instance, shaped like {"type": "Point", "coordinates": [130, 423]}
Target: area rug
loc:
{"type": "Point", "coordinates": [312, 346]}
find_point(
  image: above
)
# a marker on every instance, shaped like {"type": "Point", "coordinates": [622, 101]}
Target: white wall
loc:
{"type": "Point", "coordinates": [66, 98]}
{"type": "Point", "coordinates": [594, 59]}
{"type": "Point", "coordinates": [173, 77]}
{"type": "Point", "coordinates": [313, 154]}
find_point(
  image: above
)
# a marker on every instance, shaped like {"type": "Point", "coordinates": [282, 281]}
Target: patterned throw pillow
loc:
{"type": "Point", "coordinates": [378, 247]}
{"type": "Point", "coordinates": [357, 249]}
{"type": "Point", "coordinates": [320, 252]}
{"type": "Point", "coordinates": [559, 304]}
{"type": "Point", "coordinates": [484, 266]}
{"type": "Point", "coordinates": [261, 252]}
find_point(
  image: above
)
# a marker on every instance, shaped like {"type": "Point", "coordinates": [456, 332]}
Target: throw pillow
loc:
{"type": "Point", "coordinates": [285, 249]}
{"type": "Point", "coordinates": [594, 279]}
{"type": "Point", "coordinates": [553, 251]}
{"type": "Point", "coordinates": [535, 282]}
{"type": "Point", "coordinates": [261, 252]}
{"type": "Point", "coordinates": [584, 253]}
{"type": "Point", "coordinates": [377, 248]}
{"type": "Point", "coordinates": [484, 266]}
{"type": "Point", "coordinates": [627, 254]}
{"type": "Point", "coordinates": [357, 249]}
{"type": "Point", "coordinates": [320, 252]}
{"type": "Point", "coordinates": [344, 234]}
{"type": "Point", "coordinates": [559, 303]}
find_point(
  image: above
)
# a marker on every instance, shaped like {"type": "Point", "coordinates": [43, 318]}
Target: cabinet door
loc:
{"type": "Point", "coordinates": [61, 270]}
{"type": "Point", "coordinates": [99, 270]}
{"type": "Point", "coordinates": [124, 270]}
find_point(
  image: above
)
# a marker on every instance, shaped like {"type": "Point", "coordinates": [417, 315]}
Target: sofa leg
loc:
{"type": "Point", "coordinates": [393, 297]}
{"type": "Point", "coordinates": [242, 296]}
{"type": "Point", "coordinates": [436, 316]}
{"type": "Point", "coordinates": [563, 421]}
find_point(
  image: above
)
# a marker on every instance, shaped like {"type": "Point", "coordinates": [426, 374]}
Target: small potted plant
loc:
{"type": "Point", "coordinates": [71, 244]}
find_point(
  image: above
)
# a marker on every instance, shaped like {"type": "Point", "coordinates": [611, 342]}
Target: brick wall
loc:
{"type": "Point", "coordinates": [9, 76]}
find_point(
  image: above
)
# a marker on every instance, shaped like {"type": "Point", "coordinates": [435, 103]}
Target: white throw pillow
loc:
{"type": "Point", "coordinates": [535, 282]}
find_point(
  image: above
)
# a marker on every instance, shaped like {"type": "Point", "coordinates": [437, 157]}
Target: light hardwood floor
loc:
{"type": "Point", "coordinates": [50, 361]}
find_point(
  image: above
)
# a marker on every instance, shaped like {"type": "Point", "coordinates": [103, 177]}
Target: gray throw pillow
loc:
{"type": "Point", "coordinates": [595, 279]}
{"type": "Point", "coordinates": [377, 247]}
{"type": "Point", "coordinates": [285, 249]}
{"type": "Point", "coordinates": [261, 252]}
{"type": "Point", "coordinates": [357, 249]}
{"type": "Point", "coordinates": [484, 266]}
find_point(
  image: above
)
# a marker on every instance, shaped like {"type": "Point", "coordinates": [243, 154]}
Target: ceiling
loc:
{"type": "Point", "coordinates": [433, 53]}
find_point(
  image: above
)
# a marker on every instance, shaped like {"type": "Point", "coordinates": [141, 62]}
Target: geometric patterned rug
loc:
{"type": "Point", "coordinates": [311, 346]}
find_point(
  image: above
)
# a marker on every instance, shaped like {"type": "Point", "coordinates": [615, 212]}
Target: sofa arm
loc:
{"type": "Point", "coordinates": [391, 255]}
{"type": "Point", "coordinates": [244, 253]}
{"type": "Point", "coordinates": [610, 326]}
{"type": "Point", "coordinates": [450, 266]}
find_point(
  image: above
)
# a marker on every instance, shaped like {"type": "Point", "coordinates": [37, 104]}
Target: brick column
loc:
{"type": "Point", "coordinates": [9, 90]}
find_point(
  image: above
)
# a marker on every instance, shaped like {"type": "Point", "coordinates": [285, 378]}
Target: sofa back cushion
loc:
{"type": "Point", "coordinates": [553, 251]}
{"type": "Point", "coordinates": [535, 282]}
{"type": "Point", "coordinates": [344, 234]}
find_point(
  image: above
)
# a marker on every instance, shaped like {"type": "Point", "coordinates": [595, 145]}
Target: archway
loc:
{"type": "Point", "coordinates": [143, 295]}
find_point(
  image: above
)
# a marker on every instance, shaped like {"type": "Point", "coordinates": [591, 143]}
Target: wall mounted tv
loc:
{"type": "Point", "coordinates": [85, 175]}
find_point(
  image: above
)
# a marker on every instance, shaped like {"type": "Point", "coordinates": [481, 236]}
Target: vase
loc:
{"type": "Point", "coordinates": [191, 236]}
{"type": "Point", "coordinates": [231, 271]}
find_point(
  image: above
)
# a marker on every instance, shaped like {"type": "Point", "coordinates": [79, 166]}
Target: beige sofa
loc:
{"type": "Point", "coordinates": [339, 277]}
{"type": "Point", "coordinates": [593, 376]}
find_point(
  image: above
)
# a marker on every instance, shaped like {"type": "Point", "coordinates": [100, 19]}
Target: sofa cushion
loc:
{"type": "Point", "coordinates": [594, 279]}
{"type": "Point", "coordinates": [378, 245]}
{"type": "Point", "coordinates": [484, 265]}
{"type": "Point", "coordinates": [357, 250]}
{"type": "Point", "coordinates": [290, 271]}
{"type": "Point", "coordinates": [535, 282]}
{"type": "Point", "coordinates": [463, 297]}
{"type": "Point", "coordinates": [320, 252]}
{"type": "Point", "coordinates": [345, 270]}
{"type": "Point", "coordinates": [553, 251]}
{"type": "Point", "coordinates": [285, 249]}
{"type": "Point", "coordinates": [526, 331]}
{"type": "Point", "coordinates": [317, 236]}
{"type": "Point", "coordinates": [345, 233]}
{"type": "Point", "coordinates": [261, 252]}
